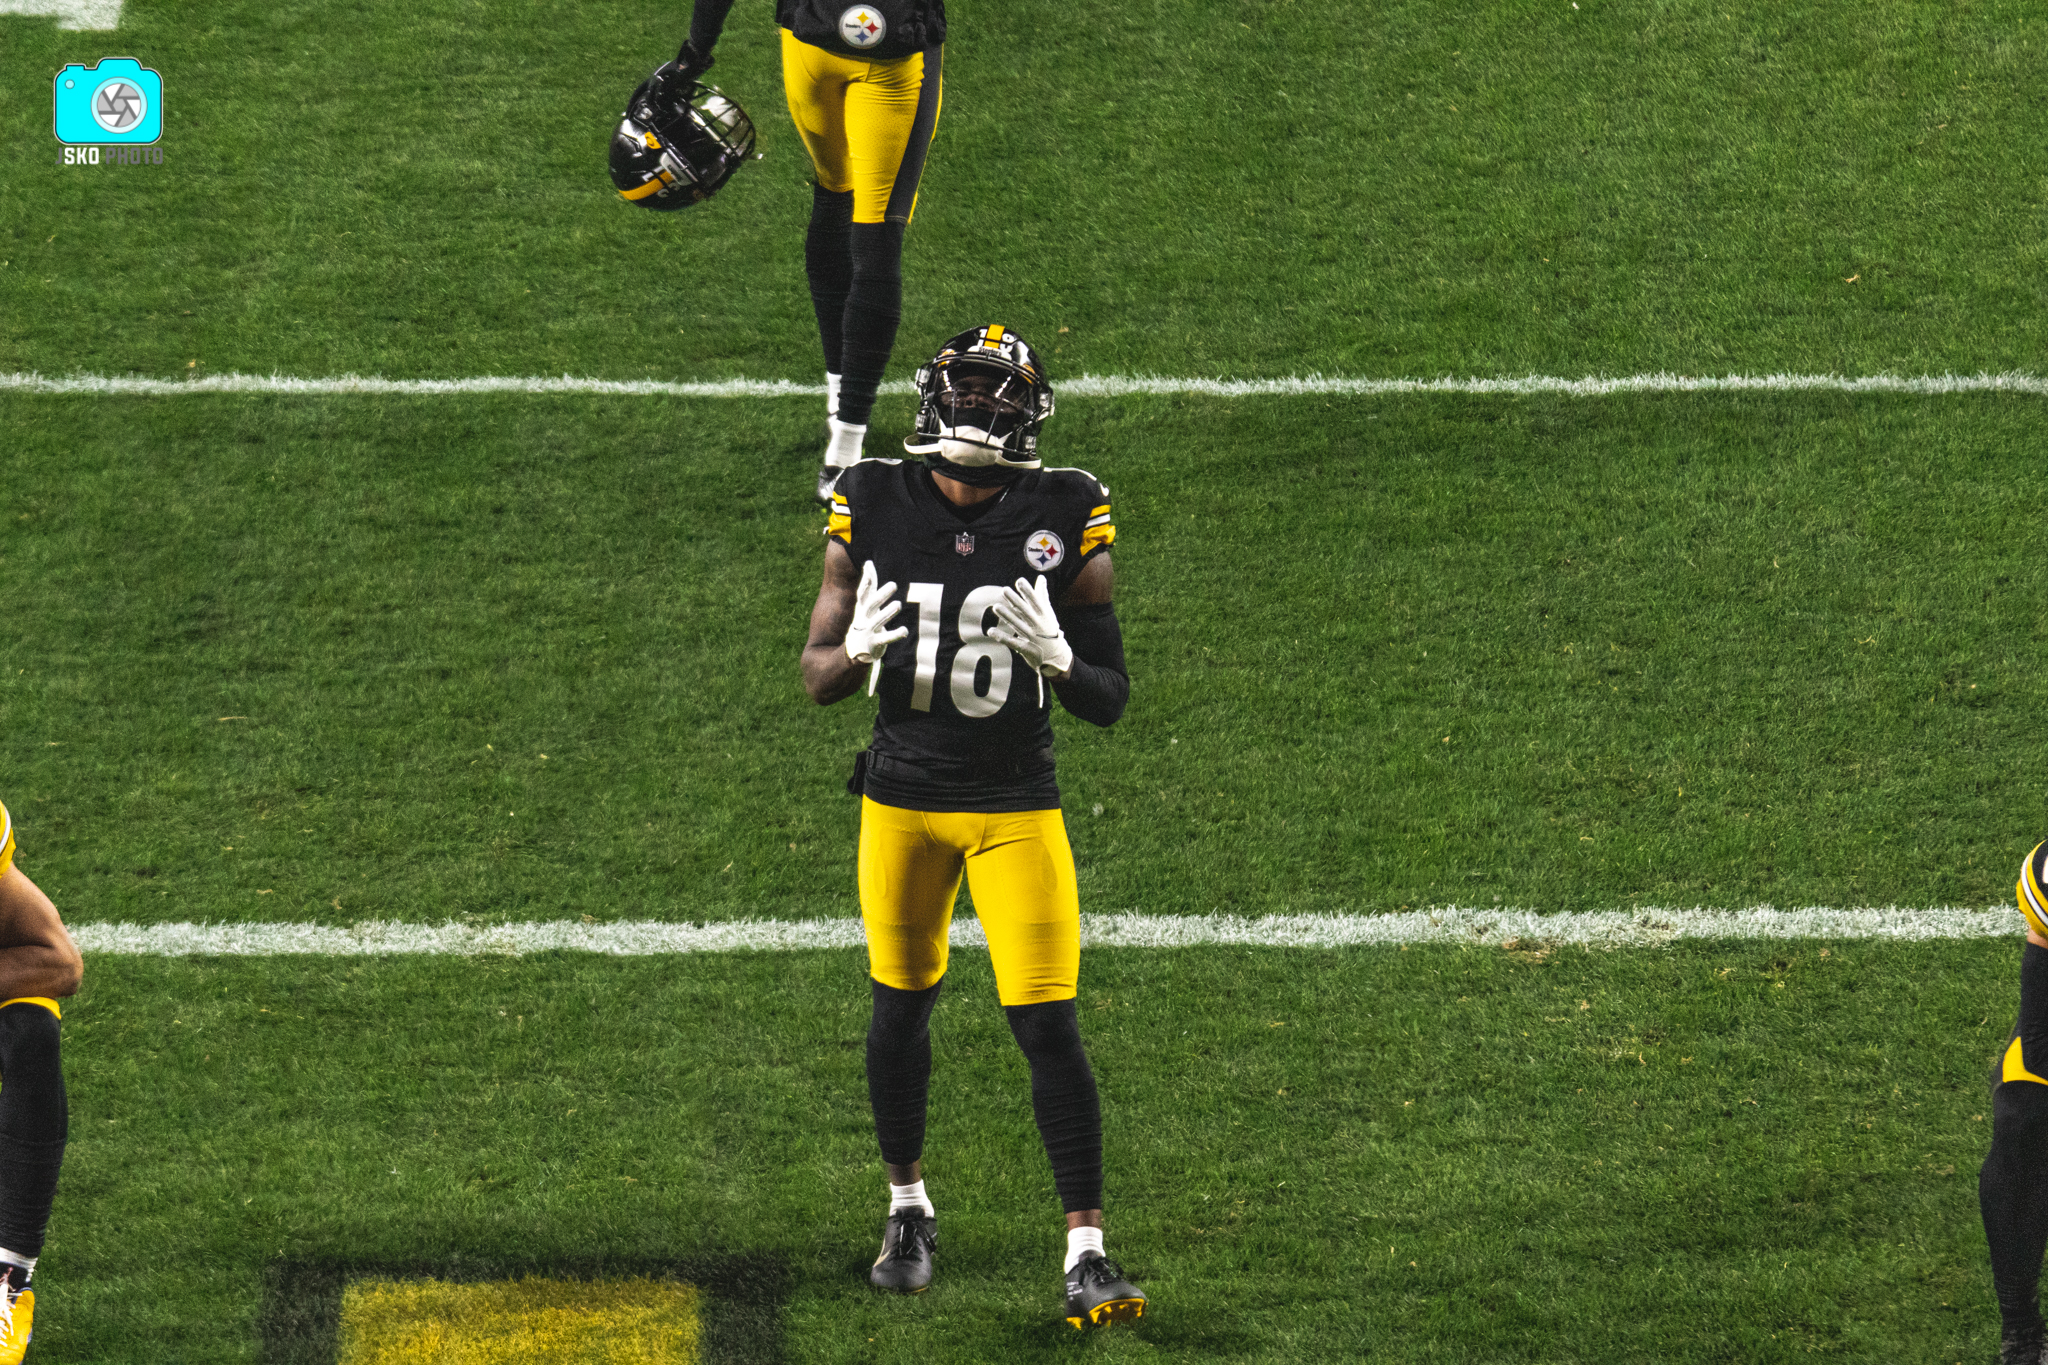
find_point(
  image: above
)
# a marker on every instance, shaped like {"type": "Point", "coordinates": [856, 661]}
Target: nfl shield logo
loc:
{"type": "Point", "coordinates": [963, 544]}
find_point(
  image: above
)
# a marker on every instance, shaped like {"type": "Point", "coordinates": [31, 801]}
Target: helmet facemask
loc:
{"type": "Point", "coordinates": [979, 413]}
{"type": "Point", "coordinates": [669, 153]}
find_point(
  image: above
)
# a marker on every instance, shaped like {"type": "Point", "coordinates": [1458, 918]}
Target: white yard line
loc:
{"type": "Point", "coordinates": [1487, 928]}
{"type": "Point", "coordinates": [72, 14]}
{"type": "Point", "coordinates": [1085, 386]}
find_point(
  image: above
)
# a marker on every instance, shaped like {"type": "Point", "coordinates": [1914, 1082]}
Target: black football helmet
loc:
{"type": "Point", "coordinates": [980, 403]}
{"type": "Point", "coordinates": [678, 142]}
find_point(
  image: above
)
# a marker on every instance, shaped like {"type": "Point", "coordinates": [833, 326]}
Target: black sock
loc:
{"type": "Point", "coordinates": [828, 261]}
{"type": "Point", "coordinates": [1063, 1098]}
{"type": "Point", "coordinates": [34, 1123]}
{"type": "Point", "coordinates": [2012, 1189]}
{"type": "Point", "coordinates": [900, 1069]}
{"type": "Point", "coordinates": [874, 306]}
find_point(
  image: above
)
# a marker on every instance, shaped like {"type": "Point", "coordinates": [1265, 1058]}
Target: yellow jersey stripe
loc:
{"type": "Point", "coordinates": [47, 1003]}
{"type": "Point", "coordinates": [840, 526]}
{"type": "Point", "coordinates": [2015, 1068]}
{"type": "Point", "coordinates": [1099, 511]}
{"type": "Point", "coordinates": [6, 840]}
{"type": "Point", "coordinates": [1097, 535]}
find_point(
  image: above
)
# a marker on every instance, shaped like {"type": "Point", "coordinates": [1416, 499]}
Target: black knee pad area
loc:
{"type": "Point", "coordinates": [32, 1102]}
{"type": "Point", "coordinates": [1051, 1028]}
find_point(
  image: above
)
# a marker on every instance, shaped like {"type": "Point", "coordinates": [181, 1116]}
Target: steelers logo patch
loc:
{"type": "Point", "coordinates": [1044, 550]}
{"type": "Point", "coordinates": [862, 27]}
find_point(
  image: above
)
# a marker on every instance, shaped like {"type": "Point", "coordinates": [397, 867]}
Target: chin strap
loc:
{"type": "Point", "coordinates": [974, 476]}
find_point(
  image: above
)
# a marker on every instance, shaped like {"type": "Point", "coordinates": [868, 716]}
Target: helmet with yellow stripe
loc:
{"type": "Point", "coordinates": [678, 142]}
{"type": "Point", "coordinates": [2033, 889]}
{"type": "Point", "coordinates": [980, 403]}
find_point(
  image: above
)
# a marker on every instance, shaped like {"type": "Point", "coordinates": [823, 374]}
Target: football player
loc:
{"type": "Point", "coordinates": [1004, 569]}
{"type": "Point", "coordinates": [2012, 1189]}
{"type": "Point", "coordinates": [863, 87]}
{"type": "Point", "coordinates": [39, 965]}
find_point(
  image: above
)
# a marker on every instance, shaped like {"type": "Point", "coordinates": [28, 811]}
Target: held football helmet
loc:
{"type": "Point", "coordinates": [980, 403]}
{"type": "Point", "coordinates": [678, 142]}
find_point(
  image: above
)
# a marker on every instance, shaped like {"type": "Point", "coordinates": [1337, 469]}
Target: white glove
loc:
{"type": "Point", "coordinates": [1026, 622]}
{"type": "Point", "coordinates": [866, 641]}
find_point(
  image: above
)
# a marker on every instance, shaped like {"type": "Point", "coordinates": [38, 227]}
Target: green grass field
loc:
{"type": "Point", "coordinates": [516, 658]}
{"type": "Point", "coordinates": [1706, 1153]}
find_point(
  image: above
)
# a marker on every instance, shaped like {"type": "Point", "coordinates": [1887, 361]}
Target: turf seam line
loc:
{"type": "Point", "coordinates": [1084, 386]}
{"type": "Point", "coordinates": [1599, 928]}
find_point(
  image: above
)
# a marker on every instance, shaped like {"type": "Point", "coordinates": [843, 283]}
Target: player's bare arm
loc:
{"type": "Point", "coordinates": [1095, 585]}
{"type": "Point", "coordinates": [37, 957]}
{"type": "Point", "coordinates": [830, 673]}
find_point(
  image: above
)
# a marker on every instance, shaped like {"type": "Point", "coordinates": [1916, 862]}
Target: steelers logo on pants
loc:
{"type": "Point", "coordinates": [862, 27]}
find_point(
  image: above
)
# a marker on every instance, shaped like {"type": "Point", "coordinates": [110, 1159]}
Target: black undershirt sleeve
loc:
{"type": "Point", "coordinates": [707, 21]}
{"type": "Point", "coordinates": [1100, 685]}
{"type": "Point", "coordinates": [2012, 1189]}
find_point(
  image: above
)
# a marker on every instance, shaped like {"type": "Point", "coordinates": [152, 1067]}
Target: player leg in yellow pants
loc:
{"type": "Point", "coordinates": [867, 126]}
{"type": "Point", "coordinates": [1020, 869]}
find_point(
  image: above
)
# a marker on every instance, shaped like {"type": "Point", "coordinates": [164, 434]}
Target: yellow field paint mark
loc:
{"type": "Point", "coordinates": [508, 1322]}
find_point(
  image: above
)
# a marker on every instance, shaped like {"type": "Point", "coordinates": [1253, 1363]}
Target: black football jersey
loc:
{"type": "Point", "coordinates": [964, 722]}
{"type": "Point", "coordinates": [893, 28]}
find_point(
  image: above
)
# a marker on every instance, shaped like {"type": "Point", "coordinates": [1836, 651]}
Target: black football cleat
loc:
{"type": "Point", "coordinates": [1098, 1293]}
{"type": "Point", "coordinates": [908, 1240]}
{"type": "Point", "coordinates": [828, 479]}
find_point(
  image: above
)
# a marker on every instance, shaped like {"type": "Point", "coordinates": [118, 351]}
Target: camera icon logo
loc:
{"type": "Point", "coordinates": [115, 100]}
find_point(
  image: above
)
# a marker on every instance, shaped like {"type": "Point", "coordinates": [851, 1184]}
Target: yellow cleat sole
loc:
{"type": "Point", "coordinates": [1116, 1310]}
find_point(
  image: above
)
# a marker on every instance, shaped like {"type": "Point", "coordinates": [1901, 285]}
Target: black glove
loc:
{"type": "Point", "coordinates": [690, 62]}
{"type": "Point", "coordinates": [674, 82]}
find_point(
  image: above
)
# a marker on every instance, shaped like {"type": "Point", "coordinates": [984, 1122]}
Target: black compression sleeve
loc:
{"type": "Point", "coordinates": [1063, 1098]}
{"type": "Point", "coordinates": [828, 263]}
{"type": "Point", "coordinates": [874, 310]}
{"type": "Point", "coordinates": [2033, 1021]}
{"type": "Point", "coordinates": [2013, 1196]}
{"type": "Point", "coordinates": [2012, 1189]}
{"type": "Point", "coordinates": [1100, 684]}
{"type": "Point", "coordinates": [707, 21]}
{"type": "Point", "coordinates": [900, 1069]}
{"type": "Point", "coordinates": [34, 1122]}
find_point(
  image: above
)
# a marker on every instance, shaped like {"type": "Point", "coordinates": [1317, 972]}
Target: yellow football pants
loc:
{"type": "Point", "coordinates": [1020, 870]}
{"type": "Point", "coordinates": [867, 124]}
